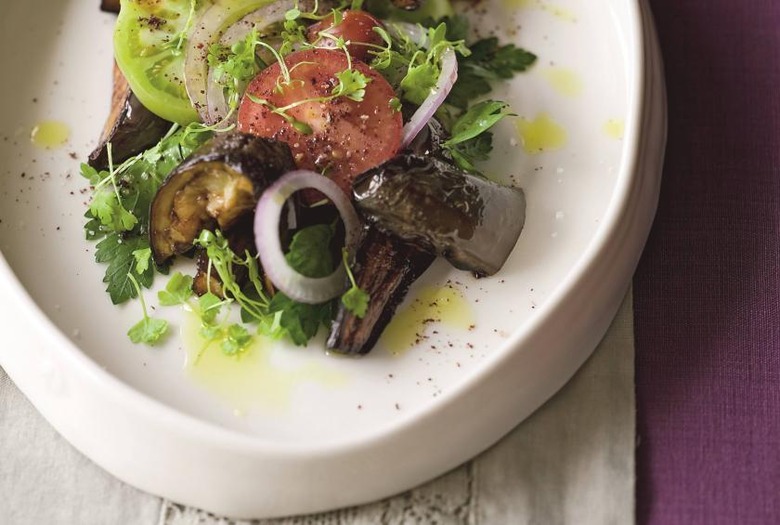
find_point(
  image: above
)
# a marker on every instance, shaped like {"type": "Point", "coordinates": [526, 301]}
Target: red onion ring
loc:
{"type": "Point", "coordinates": [426, 111]}
{"type": "Point", "coordinates": [296, 286]}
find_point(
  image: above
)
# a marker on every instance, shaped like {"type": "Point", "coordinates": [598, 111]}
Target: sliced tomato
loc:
{"type": "Point", "coordinates": [151, 56]}
{"type": "Point", "coordinates": [355, 26]}
{"type": "Point", "coordinates": [346, 137]}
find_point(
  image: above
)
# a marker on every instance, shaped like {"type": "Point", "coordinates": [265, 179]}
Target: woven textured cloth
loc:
{"type": "Point", "coordinates": [708, 287]}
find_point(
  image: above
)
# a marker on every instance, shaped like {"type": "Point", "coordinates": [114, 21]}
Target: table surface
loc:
{"type": "Point", "coordinates": [706, 295]}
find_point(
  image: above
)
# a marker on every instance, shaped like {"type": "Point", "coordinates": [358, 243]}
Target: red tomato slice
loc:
{"type": "Point", "coordinates": [348, 137]}
{"type": "Point", "coordinates": [356, 27]}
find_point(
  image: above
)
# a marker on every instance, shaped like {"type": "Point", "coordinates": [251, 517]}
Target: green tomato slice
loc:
{"type": "Point", "coordinates": [150, 46]}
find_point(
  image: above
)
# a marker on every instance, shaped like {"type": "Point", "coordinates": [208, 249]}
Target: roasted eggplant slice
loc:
{"type": "Point", "coordinates": [472, 222]}
{"type": "Point", "coordinates": [217, 186]}
{"type": "Point", "coordinates": [385, 267]}
{"type": "Point", "coordinates": [110, 6]}
{"type": "Point", "coordinates": [130, 128]}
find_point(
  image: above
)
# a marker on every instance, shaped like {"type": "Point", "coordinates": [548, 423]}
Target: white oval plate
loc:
{"type": "Point", "coordinates": [308, 431]}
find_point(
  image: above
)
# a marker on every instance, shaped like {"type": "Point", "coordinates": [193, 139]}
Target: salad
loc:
{"type": "Point", "coordinates": [313, 158]}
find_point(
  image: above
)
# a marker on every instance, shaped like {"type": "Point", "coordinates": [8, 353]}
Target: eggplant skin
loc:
{"type": "Point", "coordinates": [472, 222]}
{"type": "Point", "coordinates": [109, 6]}
{"type": "Point", "coordinates": [385, 267]}
{"type": "Point", "coordinates": [215, 187]}
{"type": "Point", "coordinates": [130, 127]}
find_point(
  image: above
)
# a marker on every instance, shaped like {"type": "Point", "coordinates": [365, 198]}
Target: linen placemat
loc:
{"type": "Point", "coordinates": [571, 462]}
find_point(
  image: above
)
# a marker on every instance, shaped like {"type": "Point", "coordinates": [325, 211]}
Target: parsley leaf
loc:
{"type": "Point", "coordinates": [297, 320]}
{"type": "Point", "coordinates": [142, 259]}
{"type": "Point", "coordinates": [309, 252]}
{"type": "Point", "coordinates": [488, 62]}
{"type": "Point", "coordinates": [119, 211]}
{"type": "Point", "coordinates": [118, 253]}
{"type": "Point", "coordinates": [477, 120]}
{"type": "Point", "coordinates": [467, 153]}
{"type": "Point", "coordinates": [470, 141]}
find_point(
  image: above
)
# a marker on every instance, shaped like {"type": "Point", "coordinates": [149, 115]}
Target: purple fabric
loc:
{"type": "Point", "coordinates": [707, 292]}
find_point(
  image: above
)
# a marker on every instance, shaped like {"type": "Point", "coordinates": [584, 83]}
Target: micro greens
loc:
{"type": "Point", "coordinates": [355, 299]}
{"type": "Point", "coordinates": [148, 330]}
{"type": "Point", "coordinates": [180, 39]}
{"type": "Point", "coordinates": [233, 338]}
{"type": "Point", "coordinates": [414, 68]}
{"type": "Point", "coordinates": [351, 84]}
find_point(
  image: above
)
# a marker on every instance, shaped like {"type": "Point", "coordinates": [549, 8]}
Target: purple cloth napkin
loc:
{"type": "Point", "coordinates": [707, 293]}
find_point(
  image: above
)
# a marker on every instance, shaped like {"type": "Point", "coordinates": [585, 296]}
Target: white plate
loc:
{"type": "Point", "coordinates": [315, 432]}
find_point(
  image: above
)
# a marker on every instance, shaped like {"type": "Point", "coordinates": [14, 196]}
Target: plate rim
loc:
{"type": "Point", "coordinates": [197, 430]}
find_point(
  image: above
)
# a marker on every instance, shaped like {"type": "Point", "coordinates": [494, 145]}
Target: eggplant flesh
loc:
{"type": "Point", "coordinates": [130, 127]}
{"type": "Point", "coordinates": [217, 186]}
{"type": "Point", "coordinates": [472, 222]}
{"type": "Point", "coordinates": [385, 267]}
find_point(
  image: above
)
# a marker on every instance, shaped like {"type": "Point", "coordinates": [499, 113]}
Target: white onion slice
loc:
{"type": "Point", "coordinates": [298, 287]}
{"type": "Point", "coordinates": [209, 29]}
{"type": "Point", "coordinates": [439, 93]}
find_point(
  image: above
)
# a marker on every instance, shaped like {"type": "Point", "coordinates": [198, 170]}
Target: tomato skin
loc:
{"type": "Point", "coordinates": [348, 137]}
{"type": "Point", "coordinates": [356, 27]}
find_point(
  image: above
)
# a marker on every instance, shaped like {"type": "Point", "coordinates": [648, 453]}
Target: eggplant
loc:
{"type": "Point", "coordinates": [109, 6]}
{"type": "Point", "coordinates": [428, 143]}
{"type": "Point", "coordinates": [385, 267]}
{"type": "Point", "coordinates": [130, 128]}
{"type": "Point", "coordinates": [217, 186]}
{"type": "Point", "coordinates": [472, 222]}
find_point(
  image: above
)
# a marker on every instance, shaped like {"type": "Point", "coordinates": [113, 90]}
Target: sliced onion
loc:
{"type": "Point", "coordinates": [439, 93]}
{"type": "Point", "coordinates": [217, 21]}
{"type": "Point", "coordinates": [298, 287]}
{"type": "Point", "coordinates": [426, 111]}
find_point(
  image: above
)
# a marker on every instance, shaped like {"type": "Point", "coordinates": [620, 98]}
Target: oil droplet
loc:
{"type": "Point", "coordinates": [432, 305]}
{"type": "Point", "coordinates": [541, 134]}
{"type": "Point", "coordinates": [614, 128]}
{"type": "Point", "coordinates": [249, 379]}
{"type": "Point", "coordinates": [50, 134]}
{"type": "Point", "coordinates": [558, 12]}
{"type": "Point", "coordinates": [564, 81]}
